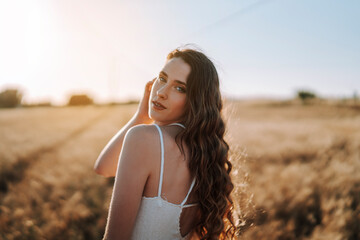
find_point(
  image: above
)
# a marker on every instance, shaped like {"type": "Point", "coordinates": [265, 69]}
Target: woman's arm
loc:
{"type": "Point", "coordinates": [107, 161]}
{"type": "Point", "coordinates": [131, 176]}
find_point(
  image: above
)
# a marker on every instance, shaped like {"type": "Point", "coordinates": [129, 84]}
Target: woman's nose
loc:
{"type": "Point", "coordinates": [162, 92]}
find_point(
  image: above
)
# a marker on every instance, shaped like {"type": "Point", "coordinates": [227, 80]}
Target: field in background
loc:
{"type": "Point", "coordinates": [296, 168]}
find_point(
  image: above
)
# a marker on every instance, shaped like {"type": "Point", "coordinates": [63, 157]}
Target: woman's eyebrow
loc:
{"type": "Point", "coordinates": [178, 81]}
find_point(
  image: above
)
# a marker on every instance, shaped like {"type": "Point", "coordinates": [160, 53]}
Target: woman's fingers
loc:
{"type": "Point", "coordinates": [149, 84]}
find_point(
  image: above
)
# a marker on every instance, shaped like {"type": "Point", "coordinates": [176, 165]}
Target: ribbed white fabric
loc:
{"type": "Point", "coordinates": [157, 218]}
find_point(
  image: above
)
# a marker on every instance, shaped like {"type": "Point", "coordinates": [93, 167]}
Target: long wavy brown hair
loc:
{"type": "Point", "coordinates": [208, 151]}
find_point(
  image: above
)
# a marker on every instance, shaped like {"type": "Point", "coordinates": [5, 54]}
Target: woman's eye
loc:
{"type": "Point", "coordinates": [180, 89]}
{"type": "Point", "coordinates": [161, 79]}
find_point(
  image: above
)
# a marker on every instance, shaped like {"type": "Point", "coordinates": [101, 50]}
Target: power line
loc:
{"type": "Point", "coordinates": [231, 16]}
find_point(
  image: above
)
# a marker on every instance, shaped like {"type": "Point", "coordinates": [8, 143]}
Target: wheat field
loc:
{"type": "Point", "coordinates": [296, 170]}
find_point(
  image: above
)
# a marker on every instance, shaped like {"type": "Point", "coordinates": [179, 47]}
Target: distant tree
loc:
{"type": "Point", "coordinates": [80, 99]}
{"type": "Point", "coordinates": [10, 98]}
{"type": "Point", "coordinates": [355, 97]}
{"type": "Point", "coordinates": [305, 95]}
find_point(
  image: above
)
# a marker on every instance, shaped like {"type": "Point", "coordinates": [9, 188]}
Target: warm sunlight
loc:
{"type": "Point", "coordinates": [110, 49]}
{"type": "Point", "coordinates": [249, 131]}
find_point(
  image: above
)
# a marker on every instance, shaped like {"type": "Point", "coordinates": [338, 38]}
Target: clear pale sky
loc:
{"type": "Point", "coordinates": [51, 49]}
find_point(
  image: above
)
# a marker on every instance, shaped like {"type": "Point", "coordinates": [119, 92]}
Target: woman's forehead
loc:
{"type": "Point", "coordinates": [177, 69]}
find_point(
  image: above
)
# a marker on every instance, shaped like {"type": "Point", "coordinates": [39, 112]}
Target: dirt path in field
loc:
{"type": "Point", "coordinates": [18, 171]}
{"type": "Point", "coordinates": [58, 185]}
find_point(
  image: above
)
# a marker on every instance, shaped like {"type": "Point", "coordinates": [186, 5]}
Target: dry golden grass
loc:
{"type": "Point", "coordinates": [304, 168]}
{"type": "Point", "coordinates": [296, 169]}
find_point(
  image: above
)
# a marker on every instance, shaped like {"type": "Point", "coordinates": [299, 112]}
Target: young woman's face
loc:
{"type": "Point", "coordinates": [169, 90]}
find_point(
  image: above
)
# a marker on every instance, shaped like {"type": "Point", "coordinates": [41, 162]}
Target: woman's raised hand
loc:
{"type": "Point", "coordinates": [107, 162]}
{"type": "Point", "coordinates": [143, 109]}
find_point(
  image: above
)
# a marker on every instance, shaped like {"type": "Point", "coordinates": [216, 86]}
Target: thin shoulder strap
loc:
{"type": "Point", "coordinates": [162, 160]}
{"type": "Point", "coordinates": [179, 124]}
{"type": "Point", "coordinates": [187, 195]}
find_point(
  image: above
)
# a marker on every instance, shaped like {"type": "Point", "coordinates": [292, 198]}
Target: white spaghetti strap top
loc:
{"type": "Point", "coordinates": [157, 218]}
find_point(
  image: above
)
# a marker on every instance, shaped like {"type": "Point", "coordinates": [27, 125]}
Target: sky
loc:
{"type": "Point", "coordinates": [51, 49]}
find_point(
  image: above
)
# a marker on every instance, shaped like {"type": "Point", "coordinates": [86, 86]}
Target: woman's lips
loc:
{"type": "Point", "coordinates": [158, 106]}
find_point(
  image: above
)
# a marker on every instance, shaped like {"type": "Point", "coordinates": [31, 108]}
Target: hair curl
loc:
{"type": "Point", "coordinates": [208, 151]}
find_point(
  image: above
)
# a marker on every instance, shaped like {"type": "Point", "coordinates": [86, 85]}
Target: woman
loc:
{"type": "Point", "coordinates": [172, 178]}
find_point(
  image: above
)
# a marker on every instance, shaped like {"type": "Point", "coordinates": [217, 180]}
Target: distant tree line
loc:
{"type": "Point", "coordinates": [10, 98]}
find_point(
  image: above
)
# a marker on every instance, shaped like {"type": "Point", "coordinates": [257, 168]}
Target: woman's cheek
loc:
{"type": "Point", "coordinates": [181, 106]}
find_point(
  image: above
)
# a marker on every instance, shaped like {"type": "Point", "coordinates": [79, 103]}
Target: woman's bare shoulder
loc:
{"type": "Point", "coordinates": [144, 135]}
{"type": "Point", "coordinates": [139, 146]}
{"type": "Point", "coordinates": [143, 130]}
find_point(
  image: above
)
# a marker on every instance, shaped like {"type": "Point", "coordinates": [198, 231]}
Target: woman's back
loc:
{"type": "Point", "coordinates": [186, 90]}
{"type": "Point", "coordinates": [167, 210]}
